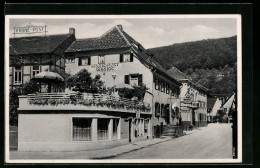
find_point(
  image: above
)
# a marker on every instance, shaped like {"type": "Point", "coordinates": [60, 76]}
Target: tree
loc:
{"type": "Point", "coordinates": [30, 87]}
{"type": "Point", "coordinates": [219, 116]}
{"type": "Point", "coordinates": [13, 105]}
{"type": "Point", "coordinates": [82, 81]}
{"type": "Point", "coordinates": [138, 91]}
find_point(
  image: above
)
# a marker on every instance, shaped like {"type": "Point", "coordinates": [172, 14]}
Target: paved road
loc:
{"type": "Point", "coordinates": [212, 142]}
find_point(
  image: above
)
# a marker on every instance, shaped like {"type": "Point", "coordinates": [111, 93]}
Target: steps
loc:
{"type": "Point", "coordinates": [172, 130]}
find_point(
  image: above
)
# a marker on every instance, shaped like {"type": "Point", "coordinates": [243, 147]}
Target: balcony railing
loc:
{"type": "Point", "coordinates": [81, 101]}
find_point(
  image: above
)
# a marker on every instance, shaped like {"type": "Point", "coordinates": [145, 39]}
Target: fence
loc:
{"type": "Point", "coordinates": [13, 138]}
{"type": "Point", "coordinates": [89, 99]}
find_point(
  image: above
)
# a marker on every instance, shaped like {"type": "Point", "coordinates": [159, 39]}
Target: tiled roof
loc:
{"type": "Point", "coordinates": [116, 38]}
{"type": "Point", "coordinates": [110, 40]}
{"type": "Point", "coordinates": [12, 50]}
{"type": "Point", "coordinates": [176, 73]}
{"type": "Point", "coordinates": [37, 44]}
{"type": "Point", "coordinates": [211, 102]}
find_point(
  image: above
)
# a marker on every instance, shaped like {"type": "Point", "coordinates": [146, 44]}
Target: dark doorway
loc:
{"type": "Point", "coordinates": [130, 128]}
{"type": "Point", "coordinates": [193, 117]}
{"type": "Point", "coordinates": [167, 114]}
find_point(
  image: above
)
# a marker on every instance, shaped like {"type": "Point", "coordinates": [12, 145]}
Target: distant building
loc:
{"type": "Point", "coordinates": [193, 98]}
{"type": "Point", "coordinates": [228, 106]}
{"type": "Point", "coordinates": [213, 105]}
{"type": "Point", "coordinates": [34, 54]}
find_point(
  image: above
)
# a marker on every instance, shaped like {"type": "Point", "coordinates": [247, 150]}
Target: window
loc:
{"type": "Point", "coordinates": [128, 57]}
{"type": "Point", "coordinates": [82, 129]}
{"type": "Point", "coordinates": [17, 75]}
{"type": "Point", "coordinates": [146, 123]}
{"type": "Point", "coordinates": [35, 70]}
{"type": "Point", "coordinates": [70, 59]}
{"type": "Point", "coordinates": [101, 59]}
{"type": "Point", "coordinates": [157, 109]}
{"type": "Point", "coordinates": [84, 61]}
{"type": "Point", "coordinates": [134, 79]}
{"type": "Point", "coordinates": [167, 88]}
{"type": "Point", "coordinates": [162, 86]}
{"type": "Point", "coordinates": [103, 128]}
{"type": "Point", "coordinates": [156, 82]}
{"type": "Point", "coordinates": [115, 128]}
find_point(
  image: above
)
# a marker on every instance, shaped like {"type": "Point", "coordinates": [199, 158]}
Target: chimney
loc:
{"type": "Point", "coordinates": [120, 27]}
{"type": "Point", "coordinates": [72, 31]}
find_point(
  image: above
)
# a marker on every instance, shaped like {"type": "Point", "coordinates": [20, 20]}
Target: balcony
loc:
{"type": "Point", "coordinates": [73, 101]}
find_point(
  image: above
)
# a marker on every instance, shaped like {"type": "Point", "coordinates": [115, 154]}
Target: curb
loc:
{"type": "Point", "coordinates": [114, 155]}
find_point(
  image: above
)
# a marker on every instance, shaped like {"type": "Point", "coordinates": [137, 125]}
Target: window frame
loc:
{"type": "Point", "coordinates": [68, 60]}
{"type": "Point", "coordinates": [99, 59]}
{"type": "Point", "coordinates": [156, 85]}
{"type": "Point", "coordinates": [19, 74]}
{"type": "Point", "coordinates": [86, 62]}
{"type": "Point", "coordinates": [72, 136]}
{"type": "Point", "coordinates": [39, 70]}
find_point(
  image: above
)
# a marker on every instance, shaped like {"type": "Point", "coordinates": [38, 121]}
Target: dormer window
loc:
{"type": "Point", "coordinates": [127, 57]}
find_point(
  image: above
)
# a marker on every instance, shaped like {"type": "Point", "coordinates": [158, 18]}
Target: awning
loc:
{"type": "Point", "coordinates": [47, 76]}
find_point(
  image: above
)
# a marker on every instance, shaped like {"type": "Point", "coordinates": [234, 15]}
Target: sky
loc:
{"type": "Point", "coordinates": [150, 32]}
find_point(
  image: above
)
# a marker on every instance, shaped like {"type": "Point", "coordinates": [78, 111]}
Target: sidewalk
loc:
{"type": "Point", "coordinates": [93, 154]}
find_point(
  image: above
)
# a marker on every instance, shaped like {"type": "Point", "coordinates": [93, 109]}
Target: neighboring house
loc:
{"type": "Point", "coordinates": [193, 100]}
{"type": "Point", "coordinates": [79, 126]}
{"type": "Point", "coordinates": [213, 105]}
{"type": "Point", "coordinates": [228, 106]}
{"type": "Point", "coordinates": [31, 55]}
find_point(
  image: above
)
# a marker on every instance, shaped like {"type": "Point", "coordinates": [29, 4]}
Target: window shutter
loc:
{"type": "Point", "coordinates": [79, 63]}
{"type": "Point", "coordinates": [131, 57]}
{"type": "Point", "coordinates": [140, 80]}
{"type": "Point", "coordinates": [127, 79]}
{"type": "Point", "coordinates": [121, 57]}
{"type": "Point", "coordinates": [162, 110]}
{"type": "Point", "coordinates": [89, 60]}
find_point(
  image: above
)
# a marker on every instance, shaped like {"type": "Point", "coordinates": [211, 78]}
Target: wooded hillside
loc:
{"type": "Point", "coordinates": [211, 62]}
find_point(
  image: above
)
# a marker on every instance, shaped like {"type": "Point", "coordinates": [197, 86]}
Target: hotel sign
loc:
{"type": "Point", "coordinates": [138, 114]}
{"type": "Point", "coordinates": [30, 29]}
{"type": "Point", "coordinates": [105, 67]}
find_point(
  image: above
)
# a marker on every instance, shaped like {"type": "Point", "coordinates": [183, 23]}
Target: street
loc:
{"type": "Point", "coordinates": [212, 142]}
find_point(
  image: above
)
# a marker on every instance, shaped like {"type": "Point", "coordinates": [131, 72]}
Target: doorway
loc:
{"type": "Point", "coordinates": [193, 117]}
{"type": "Point", "coordinates": [130, 130]}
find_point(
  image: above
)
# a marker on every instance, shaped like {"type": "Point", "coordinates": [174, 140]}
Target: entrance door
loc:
{"type": "Point", "coordinates": [193, 117]}
{"type": "Point", "coordinates": [130, 128]}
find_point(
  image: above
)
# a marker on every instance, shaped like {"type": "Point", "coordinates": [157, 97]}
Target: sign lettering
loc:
{"type": "Point", "coordinates": [105, 67]}
{"type": "Point", "coordinates": [30, 29]}
{"type": "Point", "coordinates": [138, 114]}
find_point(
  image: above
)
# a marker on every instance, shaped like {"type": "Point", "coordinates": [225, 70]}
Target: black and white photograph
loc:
{"type": "Point", "coordinates": [123, 89]}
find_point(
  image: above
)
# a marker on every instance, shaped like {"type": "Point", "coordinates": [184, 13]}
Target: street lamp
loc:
{"type": "Point", "coordinates": [114, 77]}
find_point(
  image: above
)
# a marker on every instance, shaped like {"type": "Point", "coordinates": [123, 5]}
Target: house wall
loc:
{"type": "Point", "coordinates": [53, 132]}
{"type": "Point", "coordinates": [27, 72]}
{"type": "Point", "coordinates": [198, 97]}
{"type": "Point", "coordinates": [120, 69]}
{"type": "Point", "coordinates": [216, 107]}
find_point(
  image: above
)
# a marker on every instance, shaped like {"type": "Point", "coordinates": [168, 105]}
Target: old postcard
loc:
{"type": "Point", "coordinates": [123, 89]}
